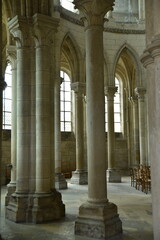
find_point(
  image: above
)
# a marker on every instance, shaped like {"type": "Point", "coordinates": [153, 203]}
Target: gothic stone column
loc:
{"type": "Point", "coordinates": [11, 187]}
{"type": "Point", "coordinates": [136, 159]}
{"type": "Point", "coordinates": [140, 91]}
{"type": "Point", "coordinates": [18, 211]}
{"type": "Point", "coordinates": [80, 175]}
{"type": "Point", "coordinates": [113, 174]}
{"type": "Point", "coordinates": [60, 181]}
{"type": "Point", "coordinates": [47, 204]}
{"type": "Point", "coordinates": [98, 217]}
{"type": "Point", "coordinates": [151, 60]}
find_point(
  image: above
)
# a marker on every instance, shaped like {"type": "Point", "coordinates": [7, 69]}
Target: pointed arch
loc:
{"type": "Point", "coordinates": [134, 58]}
{"type": "Point", "coordinates": [71, 58]}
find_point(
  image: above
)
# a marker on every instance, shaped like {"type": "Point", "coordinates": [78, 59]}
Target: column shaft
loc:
{"type": "Point", "coordinates": [14, 126]}
{"type": "Point", "coordinates": [43, 120]}
{"type": "Point", "coordinates": [60, 180]}
{"type": "Point", "coordinates": [79, 133]}
{"type": "Point", "coordinates": [80, 175]}
{"type": "Point", "coordinates": [142, 126]}
{"type": "Point", "coordinates": [23, 120]}
{"type": "Point", "coordinates": [95, 115]}
{"type": "Point", "coordinates": [111, 135]}
{"type": "Point", "coordinates": [136, 133]}
{"type": "Point", "coordinates": [57, 126]}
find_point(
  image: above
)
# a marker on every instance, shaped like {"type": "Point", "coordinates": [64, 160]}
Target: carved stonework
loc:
{"type": "Point", "coordinates": [79, 87]}
{"type": "Point", "coordinates": [19, 27]}
{"type": "Point", "coordinates": [43, 29]}
{"type": "Point", "coordinates": [94, 10]}
{"type": "Point", "coordinates": [140, 91]}
{"type": "Point", "coordinates": [110, 92]}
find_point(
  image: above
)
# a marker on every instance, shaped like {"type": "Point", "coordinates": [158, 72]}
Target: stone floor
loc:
{"type": "Point", "coordinates": [134, 208]}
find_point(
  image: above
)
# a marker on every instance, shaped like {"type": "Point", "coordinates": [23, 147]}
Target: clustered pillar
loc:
{"type": "Point", "coordinates": [35, 198]}
{"type": "Point", "coordinates": [113, 174]}
{"type": "Point", "coordinates": [80, 175]}
{"type": "Point", "coordinates": [98, 217]}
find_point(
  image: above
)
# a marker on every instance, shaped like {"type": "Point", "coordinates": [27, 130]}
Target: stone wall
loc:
{"type": "Point", "coordinates": [68, 151]}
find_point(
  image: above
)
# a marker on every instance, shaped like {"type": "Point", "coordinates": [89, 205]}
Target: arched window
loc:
{"type": "Point", "coordinates": [65, 98]}
{"type": "Point", "coordinates": [117, 109]}
{"type": "Point", "coordinates": [7, 98]}
{"type": "Point", "coordinates": [67, 4]}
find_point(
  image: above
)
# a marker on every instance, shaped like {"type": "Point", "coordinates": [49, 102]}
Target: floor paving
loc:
{"type": "Point", "coordinates": [134, 208]}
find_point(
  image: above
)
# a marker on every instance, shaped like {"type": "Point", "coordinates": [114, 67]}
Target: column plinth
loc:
{"type": "Point", "coordinates": [96, 218]}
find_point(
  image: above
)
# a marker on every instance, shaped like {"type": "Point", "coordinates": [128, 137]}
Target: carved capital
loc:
{"type": "Point", "coordinates": [94, 10]}
{"type": "Point", "coordinates": [140, 91]}
{"type": "Point", "coordinates": [43, 29]}
{"type": "Point", "coordinates": [19, 27]}
{"type": "Point", "coordinates": [79, 88]}
{"type": "Point", "coordinates": [110, 92]}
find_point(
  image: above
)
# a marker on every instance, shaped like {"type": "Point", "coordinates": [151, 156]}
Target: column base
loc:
{"type": "Point", "coordinates": [11, 188]}
{"type": "Point", "coordinates": [113, 176]}
{"type": "Point", "coordinates": [60, 181]}
{"type": "Point", "coordinates": [79, 177]}
{"type": "Point", "coordinates": [36, 208]}
{"type": "Point", "coordinates": [99, 221]}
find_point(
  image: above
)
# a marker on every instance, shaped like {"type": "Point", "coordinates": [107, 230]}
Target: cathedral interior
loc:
{"type": "Point", "coordinates": [80, 114]}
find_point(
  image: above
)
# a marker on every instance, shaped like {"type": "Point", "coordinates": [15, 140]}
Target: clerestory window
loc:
{"type": "Point", "coordinates": [7, 99]}
{"type": "Point", "coordinates": [66, 105]}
